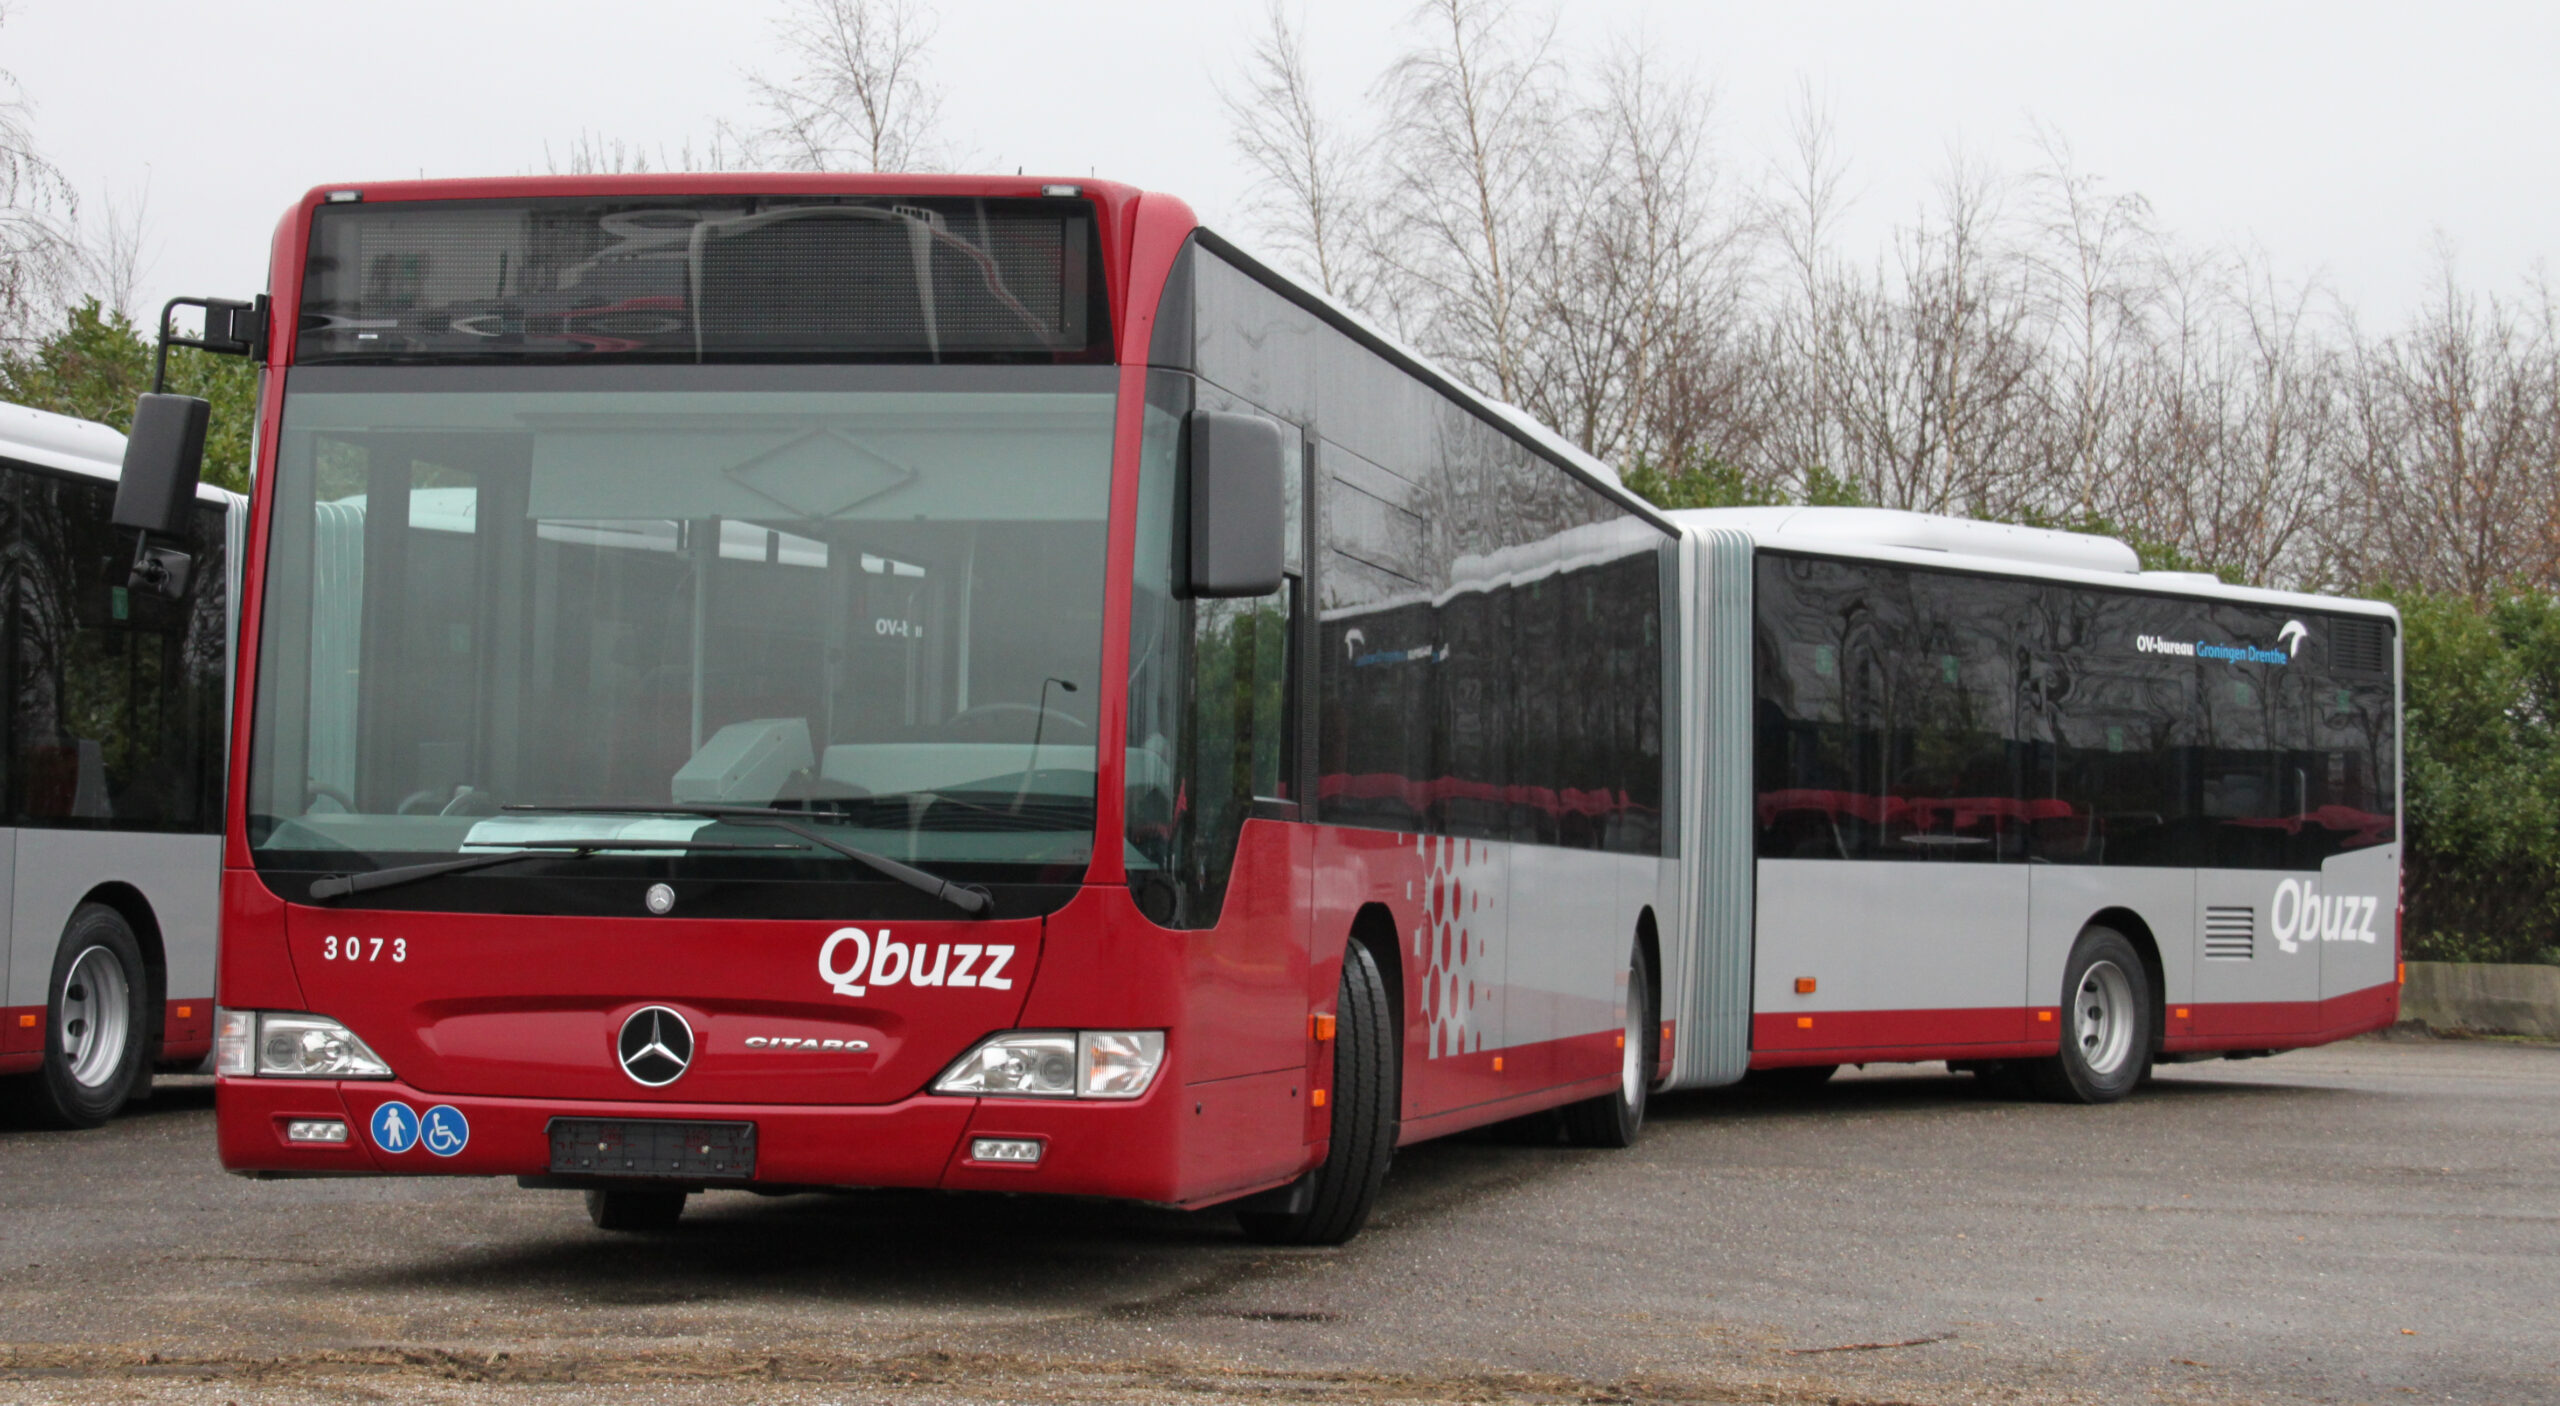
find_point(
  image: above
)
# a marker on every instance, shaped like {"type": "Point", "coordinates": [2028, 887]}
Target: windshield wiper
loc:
{"type": "Point", "coordinates": [968, 898]}
{"type": "Point", "coordinates": [340, 885]}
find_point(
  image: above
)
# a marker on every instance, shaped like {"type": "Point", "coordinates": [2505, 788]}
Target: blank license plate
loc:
{"type": "Point", "coordinates": [650, 1147]}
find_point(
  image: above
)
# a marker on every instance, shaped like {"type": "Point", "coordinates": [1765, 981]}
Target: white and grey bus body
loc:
{"type": "Point", "coordinates": [166, 885]}
{"type": "Point", "coordinates": [1786, 961]}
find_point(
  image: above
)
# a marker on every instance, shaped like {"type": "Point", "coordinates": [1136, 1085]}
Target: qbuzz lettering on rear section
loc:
{"type": "Point", "coordinates": [979, 683]}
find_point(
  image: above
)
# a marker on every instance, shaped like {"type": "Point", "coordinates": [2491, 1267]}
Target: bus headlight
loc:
{"type": "Point", "coordinates": [1058, 1064]}
{"type": "Point", "coordinates": [290, 1045]}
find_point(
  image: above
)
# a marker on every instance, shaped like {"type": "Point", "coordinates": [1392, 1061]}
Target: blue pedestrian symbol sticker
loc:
{"type": "Point", "coordinates": [395, 1127]}
{"type": "Point", "coordinates": [447, 1131]}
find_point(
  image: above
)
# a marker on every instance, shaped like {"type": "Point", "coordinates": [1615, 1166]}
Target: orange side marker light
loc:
{"type": "Point", "coordinates": [185, 1011]}
{"type": "Point", "coordinates": [1316, 1096]}
{"type": "Point", "coordinates": [2045, 1016]}
{"type": "Point", "coordinates": [1497, 1064]}
{"type": "Point", "coordinates": [1804, 986]}
{"type": "Point", "coordinates": [2182, 1012]}
{"type": "Point", "coordinates": [1804, 1022]}
{"type": "Point", "coordinates": [1322, 1026]}
{"type": "Point", "coordinates": [1622, 1042]}
{"type": "Point", "coordinates": [26, 1022]}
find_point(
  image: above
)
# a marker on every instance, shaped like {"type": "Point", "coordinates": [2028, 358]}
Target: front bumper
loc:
{"type": "Point", "coordinates": [1147, 1149]}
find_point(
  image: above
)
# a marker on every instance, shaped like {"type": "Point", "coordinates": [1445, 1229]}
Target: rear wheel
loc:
{"type": "Point", "coordinates": [635, 1208]}
{"type": "Point", "coordinates": [96, 1021]}
{"type": "Point", "coordinates": [2106, 1024]}
{"type": "Point", "coordinates": [1333, 1202]}
{"type": "Point", "coordinates": [1614, 1118]}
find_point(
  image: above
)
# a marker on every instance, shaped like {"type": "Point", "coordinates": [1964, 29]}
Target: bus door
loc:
{"type": "Point", "coordinates": [2254, 973]}
{"type": "Point", "coordinates": [1899, 688]}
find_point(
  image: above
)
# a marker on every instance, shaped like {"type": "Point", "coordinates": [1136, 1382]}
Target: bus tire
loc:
{"type": "Point", "coordinates": [1335, 1201]}
{"type": "Point", "coordinates": [97, 1025]}
{"type": "Point", "coordinates": [635, 1208]}
{"type": "Point", "coordinates": [1616, 1117]}
{"type": "Point", "coordinates": [2106, 1024]}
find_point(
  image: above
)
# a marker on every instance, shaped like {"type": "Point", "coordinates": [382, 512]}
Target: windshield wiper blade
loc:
{"type": "Point", "coordinates": [341, 885]}
{"type": "Point", "coordinates": [968, 898]}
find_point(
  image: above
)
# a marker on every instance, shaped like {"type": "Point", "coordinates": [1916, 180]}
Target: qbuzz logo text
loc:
{"type": "Point", "coordinates": [851, 962]}
{"type": "Point", "coordinates": [2302, 914]}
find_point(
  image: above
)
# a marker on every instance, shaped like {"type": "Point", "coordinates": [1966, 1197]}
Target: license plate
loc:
{"type": "Point", "coordinates": [653, 1147]}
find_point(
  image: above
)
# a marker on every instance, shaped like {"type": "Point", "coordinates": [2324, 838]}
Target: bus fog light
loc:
{"type": "Point", "coordinates": [1117, 1063]}
{"type": "Point", "coordinates": [1021, 1151]}
{"type": "Point", "coordinates": [235, 1036]}
{"type": "Point", "coordinates": [314, 1047]}
{"type": "Point", "coordinates": [1016, 1066]}
{"type": "Point", "coordinates": [315, 1130]}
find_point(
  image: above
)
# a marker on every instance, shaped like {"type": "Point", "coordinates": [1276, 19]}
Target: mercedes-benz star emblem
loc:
{"type": "Point", "coordinates": [660, 898]}
{"type": "Point", "coordinates": [656, 1046]}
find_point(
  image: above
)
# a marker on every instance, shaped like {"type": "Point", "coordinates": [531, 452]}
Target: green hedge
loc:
{"type": "Point", "coordinates": [2483, 777]}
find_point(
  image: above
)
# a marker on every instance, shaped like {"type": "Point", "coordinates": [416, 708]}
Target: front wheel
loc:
{"type": "Point", "coordinates": [1333, 1202]}
{"type": "Point", "coordinates": [1614, 1118]}
{"type": "Point", "coordinates": [2106, 1024]}
{"type": "Point", "coordinates": [97, 1024]}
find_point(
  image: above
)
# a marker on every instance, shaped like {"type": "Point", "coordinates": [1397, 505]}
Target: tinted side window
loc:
{"type": "Point", "coordinates": [116, 694]}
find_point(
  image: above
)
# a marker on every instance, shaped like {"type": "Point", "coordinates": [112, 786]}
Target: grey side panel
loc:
{"type": "Point", "coordinates": [180, 876]}
{"type": "Point", "coordinates": [10, 967]}
{"type": "Point", "coordinates": [1712, 1044]}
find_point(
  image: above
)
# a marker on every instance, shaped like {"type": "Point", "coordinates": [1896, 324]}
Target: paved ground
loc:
{"type": "Point", "coordinates": [2376, 1222]}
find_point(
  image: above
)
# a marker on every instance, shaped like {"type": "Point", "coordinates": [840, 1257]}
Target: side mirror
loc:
{"type": "Point", "coordinates": [1238, 508]}
{"type": "Point", "coordinates": [163, 460]}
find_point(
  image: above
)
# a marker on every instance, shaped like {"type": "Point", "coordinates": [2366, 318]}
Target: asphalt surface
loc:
{"type": "Point", "coordinates": [2374, 1222]}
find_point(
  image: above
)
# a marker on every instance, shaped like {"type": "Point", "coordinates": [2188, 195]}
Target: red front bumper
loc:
{"type": "Point", "coordinates": [1166, 1147]}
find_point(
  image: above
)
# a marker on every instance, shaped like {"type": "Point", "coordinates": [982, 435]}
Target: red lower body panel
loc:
{"type": "Point", "coordinates": [1789, 1038]}
{"type": "Point", "coordinates": [1179, 1144]}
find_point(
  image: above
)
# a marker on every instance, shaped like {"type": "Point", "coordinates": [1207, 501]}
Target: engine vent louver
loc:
{"type": "Point", "coordinates": [2360, 648]}
{"type": "Point", "coordinates": [2230, 934]}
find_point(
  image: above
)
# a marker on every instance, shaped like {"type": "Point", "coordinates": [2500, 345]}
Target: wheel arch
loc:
{"type": "Point", "coordinates": [130, 905]}
{"type": "Point", "coordinates": [1374, 927]}
{"type": "Point", "coordinates": [2146, 945]}
{"type": "Point", "coordinates": [1649, 942]}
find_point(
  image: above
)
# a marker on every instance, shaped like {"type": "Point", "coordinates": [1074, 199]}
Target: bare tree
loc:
{"type": "Point", "coordinates": [857, 97]}
{"type": "Point", "coordinates": [40, 256]}
{"type": "Point", "coordinates": [1470, 144]}
{"type": "Point", "coordinates": [2094, 270]}
{"type": "Point", "coordinates": [1313, 203]}
{"type": "Point", "coordinates": [2455, 448]}
{"type": "Point", "coordinates": [594, 154]}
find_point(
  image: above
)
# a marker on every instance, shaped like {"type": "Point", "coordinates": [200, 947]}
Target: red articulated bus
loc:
{"type": "Point", "coordinates": [800, 682]}
{"type": "Point", "coordinates": [915, 681]}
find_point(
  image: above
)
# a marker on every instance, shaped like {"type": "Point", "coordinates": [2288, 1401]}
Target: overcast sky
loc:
{"type": "Point", "coordinates": [2343, 140]}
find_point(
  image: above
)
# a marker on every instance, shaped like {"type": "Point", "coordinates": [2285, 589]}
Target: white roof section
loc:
{"type": "Point", "coordinates": [1999, 548]}
{"type": "Point", "coordinates": [51, 441]}
{"type": "Point", "coordinates": [60, 442]}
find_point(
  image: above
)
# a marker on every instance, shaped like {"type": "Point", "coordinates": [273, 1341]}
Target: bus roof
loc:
{"type": "Point", "coordinates": [1999, 548]}
{"type": "Point", "coordinates": [66, 442]}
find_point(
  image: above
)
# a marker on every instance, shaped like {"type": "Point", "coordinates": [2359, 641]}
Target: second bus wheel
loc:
{"type": "Point", "coordinates": [2106, 1023]}
{"type": "Point", "coordinates": [1614, 1118]}
{"type": "Point", "coordinates": [635, 1208]}
{"type": "Point", "coordinates": [1332, 1202]}
{"type": "Point", "coordinates": [97, 1024]}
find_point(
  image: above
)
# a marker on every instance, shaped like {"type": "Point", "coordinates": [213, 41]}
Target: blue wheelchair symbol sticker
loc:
{"type": "Point", "coordinates": [395, 1127]}
{"type": "Point", "coordinates": [447, 1131]}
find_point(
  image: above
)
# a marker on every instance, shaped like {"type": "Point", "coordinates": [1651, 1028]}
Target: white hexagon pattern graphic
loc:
{"type": "Point", "coordinates": [1461, 903]}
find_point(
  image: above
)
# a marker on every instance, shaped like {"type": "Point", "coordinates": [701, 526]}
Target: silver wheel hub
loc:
{"type": "Point", "coordinates": [97, 1017]}
{"type": "Point", "coordinates": [1631, 1067]}
{"type": "Point", "coordinates": [2102, 1018]}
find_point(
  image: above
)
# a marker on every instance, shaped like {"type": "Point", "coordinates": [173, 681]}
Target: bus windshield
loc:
{"type": "Point", "coordinates": [868, 595]}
